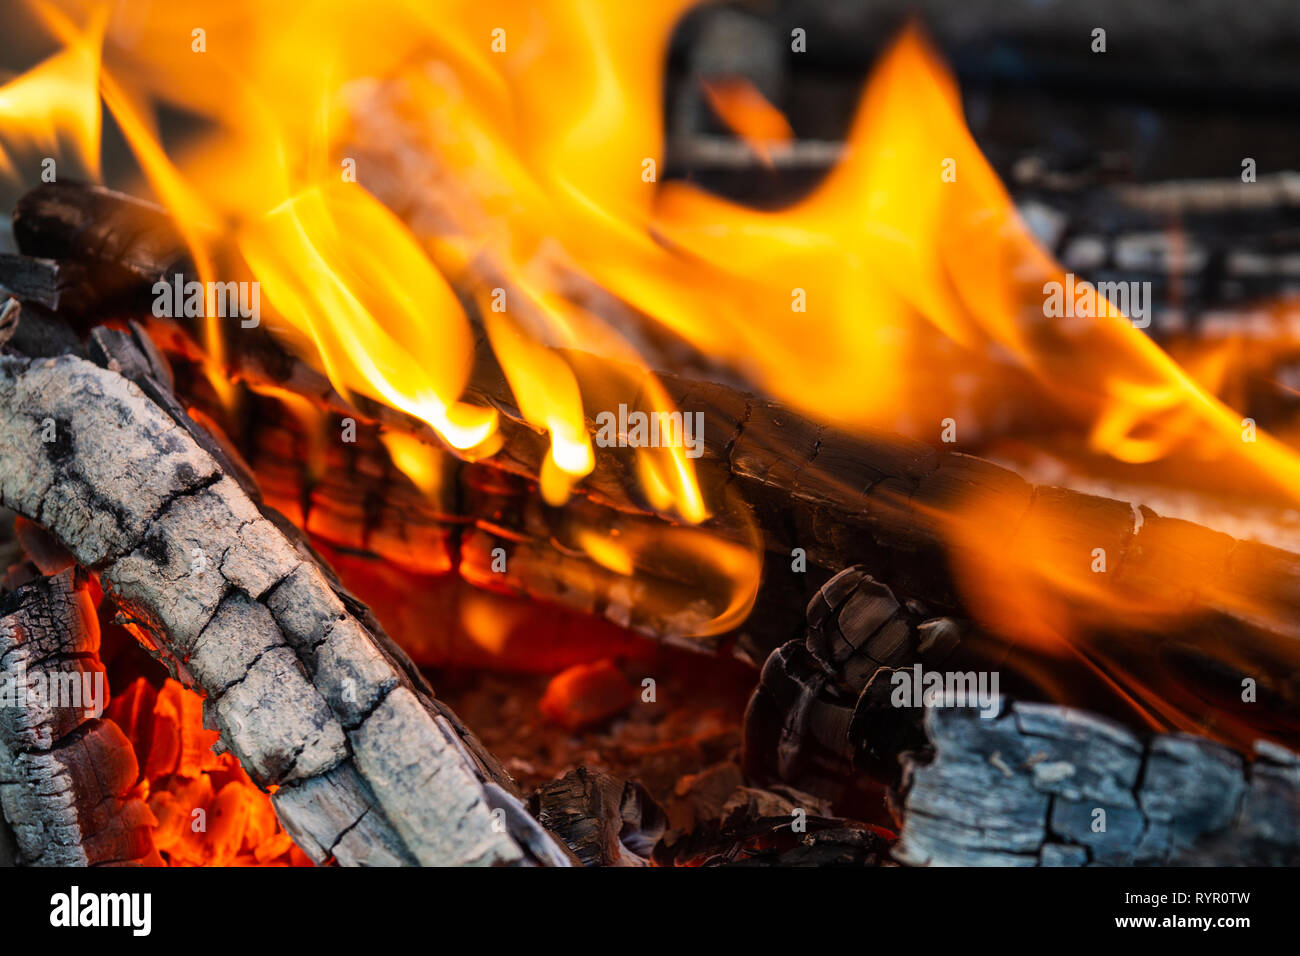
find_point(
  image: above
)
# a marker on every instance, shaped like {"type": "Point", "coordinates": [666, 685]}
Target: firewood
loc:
{"type": "Point", "coordinates": [890, 531]}
{"type": "Point", "coordinates": [64, 772]}
{"type": "Point", "coordinates": [58, 285]}
{"type": "Point", "coordinates": [870, 498]}
{"type": "Point", "coordinates": [350, 495]}
{"type": "Point", "coordinates": [302, 683]}
{"type": "Point", "coordinates": [1021, 788]}
{"type": "Point", "coordinates": [1045, 785]}
{"type": "Point", "coordinates": [882, 501]}
{"type": "Point", "coordinates": [603, 820]}
{"type": "Point", "coordinates": [816, 720]}
{"type": "Point", "coordinates": [129, 242]}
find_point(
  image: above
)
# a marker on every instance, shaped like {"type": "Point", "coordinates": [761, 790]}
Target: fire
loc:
{"type": "Point", "coordinates": [523, 148]}
{"type": "Point", "coordinates": [748, 113]}
{"type": "Point", "coordinates": [331, 263]}
{"type": "Point", "coordinates": [208, 812]}
{"type": "Point", "coordinates": [56, 100]}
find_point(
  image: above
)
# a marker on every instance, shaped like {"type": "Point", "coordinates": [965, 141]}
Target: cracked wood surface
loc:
{"type": "Point", "coordinates": [64, 772]}
{"type": "Point", "coordinates": [1020, 788]}
{"type": "Point", "coordinates": [1044, 785]}
{"type": "Point", "coordinates": [300, 681]}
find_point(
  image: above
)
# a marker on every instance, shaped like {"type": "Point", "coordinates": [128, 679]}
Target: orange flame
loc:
{"type": "Point", "coordinates": [523, 147]}
{"type": "Point", "coordinates": [748, 114]}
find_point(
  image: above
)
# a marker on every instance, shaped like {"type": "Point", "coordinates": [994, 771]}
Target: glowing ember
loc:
{"type": "Point", "coordinates": [209, 813]}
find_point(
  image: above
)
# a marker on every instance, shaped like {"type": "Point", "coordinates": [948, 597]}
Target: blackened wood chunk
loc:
{"type": "Point", "coordinates": [58, 285]}
{"type": "Point", "coordinates": [49, 668]}
{"type": "Point", "coordinates": [605, 821]}
{"type": "Point", "coordinates": [134, 239]}
{"type": "Point", "coordinates": [1043, 785]}
{"type": "Point", "coordinates": [64, 773]}
{"type": "Point", "coordinates": [822, 717]}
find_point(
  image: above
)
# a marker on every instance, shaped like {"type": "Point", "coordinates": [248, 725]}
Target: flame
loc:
{"type": "Point", "coordinates": [57, 100]}
{"type": "Point", "coordinates": [748, 114]}
{"type": "Point", "coordinates": [705, 564]}
{"type": "Point", "coordinates": [522, 146]}
{"type": "Point", "coordinates": [415, 459]}
{"type": "Point", "coordinates": [331, 261]}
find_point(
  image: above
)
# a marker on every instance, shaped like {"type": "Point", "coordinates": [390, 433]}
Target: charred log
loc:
{"type": "Point", "coordinates": [1044, 785]}
{"type": "Point", "coordinates": [58, 285]}
{"type": "Point", "coordinates": [603, 820]}
{"type": "Point", "coordinates": [302, 683]}
{"type": "Point", "coordinates": [64, 772]}
{"type": "Point", "coordinates": [873, 499]}
{"type": "Point", "coordinates": [820, 718]}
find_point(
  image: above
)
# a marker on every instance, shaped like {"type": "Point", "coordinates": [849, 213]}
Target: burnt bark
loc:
{"type": "Point", "coordinates": [65, 773]}
{"type": "Point", "coordinates": [1043, 785]}
{"type": "Point", "coordinates": [871, 499]}
{"type": "Point", "coordinates": [302, 683]}
{"type": "Point", "coordinates": [605, 821]}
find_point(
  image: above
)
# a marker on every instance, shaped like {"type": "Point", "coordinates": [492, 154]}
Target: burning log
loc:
{"type": "Point", "coordinates": [875, 499]}
{"type": "Point", "coordinates": [893, 505]}
{"type": "Point", "coordinates": [64, 772]}
{"type": "Point", "coordinates": [303, 684]}
{"type": "Point", "coordinates": [1044, 785]}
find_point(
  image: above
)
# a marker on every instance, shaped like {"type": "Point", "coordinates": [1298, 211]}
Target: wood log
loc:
{"type": "Point", "coordinates": [816, 720]}
{"type": "Point", "coordinates": [60, 286]}
{"type": "Point", "coordinates": [351, 496]}
{"type": "Point", "coordinates": [878, 501]}
{"type": "Point", "coordinates": [874, 499]}
{"type": "Point", "coordinates": [64, 772]}
{"type": "Point", "coordinates": [1044, 785]}
{"type": "Point", "coordinates": [824, 717]}
{"type": "Point", "coordinates": [603, 820]}
{"type": "Point", "coordinates": [1021, 789]}
{"type": "Point", "coordinates": [301, 682]}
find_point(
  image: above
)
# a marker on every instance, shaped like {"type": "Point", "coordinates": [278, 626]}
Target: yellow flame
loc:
{"type": "Point", "coordinates": [332, 261]}
{"type": "Point", "coordinates": [417, 460]}
{"type": "Point", "coordinates": [708, 567]}
{"type": "Point", "coordinates": [57, 99]}
{"type": "Point", "coordinates": [521, 145]}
